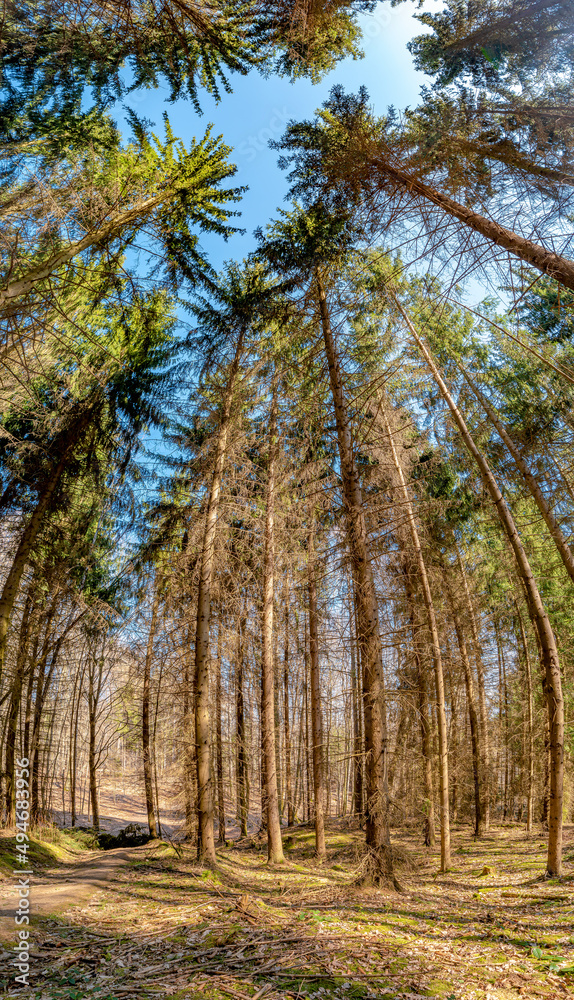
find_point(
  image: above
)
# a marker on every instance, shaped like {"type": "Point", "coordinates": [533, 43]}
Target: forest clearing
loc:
{"type": "Point", "coordinates": [287, 499]}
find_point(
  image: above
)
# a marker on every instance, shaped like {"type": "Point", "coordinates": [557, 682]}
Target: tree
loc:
{"type": "Point", "coordinates": [301, 247]}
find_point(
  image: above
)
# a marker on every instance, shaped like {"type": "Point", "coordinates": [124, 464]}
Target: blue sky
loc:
{"type": "Point", "coordinates": [259, 108]}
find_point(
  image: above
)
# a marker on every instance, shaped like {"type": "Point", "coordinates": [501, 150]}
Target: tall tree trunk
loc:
{"type": "Point", "coordinates": [188, 757]}
{"type": "Point", "coordinates": [546, 261]}
{"type": "Point", "coordinates": [424, 720]}
{"type": "Point", "coordinates": [146, 741]}
{"type": "Point", "coordinates": [375, 722]}
{"type": "Point", "coordinates": [286, 717]}
{"type": "Point", "coordinates": [25, 546]}
{"type": "Point", "coordinates": [316, 720]}
{"type": "Point", "coordinates": [206, 838]}
{"type": "Point", "coordinates": [356, 710]}
{"type": "Point", "coordinates": [94, 690]}
{"type": "Point", "coordinates": [42, 686]}
{"type": "Point", "coordinates": [74, 747]}
{"type": "Point", "coordinates": [552, 682]}
{"type": "Point", "coordinates": [551, 523]}
{"type": "Point", "coordinates": [219, 746]}
{"type": "Point", "coordinates": [154, 748]}
{"type": "Point", "coordinates": [14, 710]}
{"type": "Point", "coordinates": [274, 842]}
{"type": "Point", "coordinates": [529, 724]}
{"type": "Point", "coordinates": [243, 803]}
{"type": "Point", "coordinates": [477, 768]}
{"type": "Point", "coordinates": [436, 653]}
{"type": "Point", "coordinates": [482, 707]}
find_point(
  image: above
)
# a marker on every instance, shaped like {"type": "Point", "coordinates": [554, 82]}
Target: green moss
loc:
{"type": "Point", "coordinates": [438, 988]}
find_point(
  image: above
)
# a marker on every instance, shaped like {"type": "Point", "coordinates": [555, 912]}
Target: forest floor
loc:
{"type": "Point", "coordinates": [160, 926]}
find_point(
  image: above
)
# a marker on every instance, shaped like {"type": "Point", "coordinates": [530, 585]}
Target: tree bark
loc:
{"type": "Point", "coordinates": [146, 741]}
{"type": "Point", "coordinates": [482, 707]}
{"type": "Point", "coordinates": [436, 653]}
{"type": "Point", "coordinates": [356, 709]}
{"type": "Point", "coordinates": [375, 723]}
{"type": "Point", "coordinates": [529, 725]}
{"type": "Point", "coordinates": [316, 720]}
{"type": "Point", "coordinates": [477, 767]}
{"type": "Point", "coordinates": [552, 682]}
{"type": "Point", "coordinates": [25, 546]}
{"type": "Point", "coordinates": [206, 838]}
{"type": "Point", "coordinates": [424, 721]}
{"type": "Point", "coordinates": [219, 746]}
{"type": "Point", "coordinates": [552, 264]}
{"type": "Point", "coordinates": [95, 675]}
{"type": "Point", "coordinates": [14, 709]}
{"type": "Point", "coordinates": [243, 803]}
{"type": "Point", "coordinates": [286, 720]}
{"type": "Point", "coordinates": [274, 842]}
{"type": "Point", "coordinates": [551, 523]}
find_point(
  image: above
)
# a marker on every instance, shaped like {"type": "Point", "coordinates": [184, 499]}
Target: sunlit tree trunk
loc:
{"type": "Point", "coordinates": [287, 719]}
{"type": "Point", "coordinates": [375, 723]}
{"type": "Point", "coordinates": [546, 261]}
{"type": "Point", "coordinates": [146, 741]}
{"type": "Point", "coordinates": [529, 725]}
{"type": "Point", "coordinates": [482, 707]}
{"type": "Point", "coordinates": [189, 768]}
{"type": "Point", "coordinates": [477, 769]}
{"type": "Point", "coordinates": [552, 682]}
{"type": "Point", "coordinates": [356, 709]}
{"type": "Point", "coordinates": [242, 794]}
{"type": "Point", "coordinates": [424, 720]}
{"type": "Point", "coordinates": [435, 649]}
{"type": "Point", "coordinates": [95, 678]}
{"type": "Point", "coordinates": [274, 842]}
{"type": "Point", "coordinates": [554, 528]}
{"type": "Point", "coordinates": [316, 720]}
{"type": "Point", "coordinates": [25, 546]}
{"type": "Point", "coordinates": [206, 838]}
{"type": "Point", "coordinates": [219, 745]}
{"type": "Point", "coordinates": [14, 709]}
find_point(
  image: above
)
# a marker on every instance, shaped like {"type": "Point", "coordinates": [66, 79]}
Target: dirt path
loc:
{"type": "Point", "coordinates": [61, 889]}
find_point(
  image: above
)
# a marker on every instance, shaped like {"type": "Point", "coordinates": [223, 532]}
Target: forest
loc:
{"type": "Point", "coordinates": [286, 614]}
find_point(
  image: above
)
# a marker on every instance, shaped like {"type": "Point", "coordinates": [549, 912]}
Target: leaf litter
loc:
{"type": "Point", "coordinates": [486, 930]}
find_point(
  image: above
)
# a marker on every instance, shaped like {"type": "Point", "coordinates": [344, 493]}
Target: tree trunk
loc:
{"type": "Point", "coordinates": [94, 690]}
{"type": "Point", "coordinates": [552, 682]}
{"type": "Point", "coordinates": [274, 842]}
{"type": "Point", "coordinates": [286, 720]}
{"type": "Point", "coordinates": [206, 839]}
{"type": "Point", "coordinates": [243, 803]}
{"type": "Point", "coordinates": [477, 768]}
{"type": "Point", "coordinates": [25, 546]}
{"type": "Point", "coordinates": [356, 710]}
{"type": "Point", "coordinates": [436, 654]}
{"type": "Point", "coordinates": [424, 721]}
{"type": "Point", "coordinates": [316, 720]}
{"type": "Point", "coordinates": [146, 742]}
{"type": "Point", "coordinates": [377, 807]}
{"type": "Point", "coordinates": [188, 758]}
{"type": "Point", "coordinates": [529, 724]}
{"type": "Point", "coordinates": [14, 709]}
{"type": "Point", "coordinates": [546, 261]}
{"type": "Point", "coordinates": [482, 707]}
{"type": "Point", "coordinates": [530, 480]}
{"type": "Point", "coordinates": [219, 746]}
